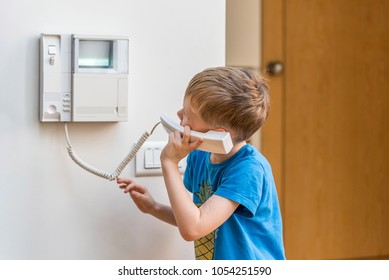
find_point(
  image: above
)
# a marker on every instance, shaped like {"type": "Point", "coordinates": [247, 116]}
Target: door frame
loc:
{"type": "Point", "coordinates": [273, 131]}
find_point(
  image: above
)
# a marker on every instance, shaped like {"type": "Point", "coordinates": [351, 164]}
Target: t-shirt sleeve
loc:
{"type": "Point", "coordinates": [243, 183]}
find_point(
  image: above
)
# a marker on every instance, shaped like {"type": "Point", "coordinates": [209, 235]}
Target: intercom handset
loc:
{"type": "Point", "coordinates": [214, 141]}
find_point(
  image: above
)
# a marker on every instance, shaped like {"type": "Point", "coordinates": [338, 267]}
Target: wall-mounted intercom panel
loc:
{"type": "Point", "coordinates": [83, 78]}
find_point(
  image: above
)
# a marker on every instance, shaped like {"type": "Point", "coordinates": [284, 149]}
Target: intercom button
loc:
{"type": "Point", "coordinates": [52, 50]}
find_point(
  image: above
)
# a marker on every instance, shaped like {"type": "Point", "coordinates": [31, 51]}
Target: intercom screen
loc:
{"type": "Point", "coordinates": [95, 54]}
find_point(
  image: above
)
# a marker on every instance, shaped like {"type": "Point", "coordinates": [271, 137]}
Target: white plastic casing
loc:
{"type": "Point", "coordinates": [73, 92]}
{"type": "Point", "coordinates": [55, 78]}
{"type": "Point", "coordinates": [101, 94]}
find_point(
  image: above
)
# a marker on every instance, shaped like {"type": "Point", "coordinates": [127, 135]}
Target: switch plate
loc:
{"type": "Point", "coordinates": [147, 160]}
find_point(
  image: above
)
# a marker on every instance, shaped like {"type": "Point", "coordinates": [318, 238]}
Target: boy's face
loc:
{"type": "Point", "coordinates": [190, 116]}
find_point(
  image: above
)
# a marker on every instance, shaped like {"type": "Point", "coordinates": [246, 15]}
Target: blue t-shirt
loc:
{"type": "Point", "coordinates": [254, 231]}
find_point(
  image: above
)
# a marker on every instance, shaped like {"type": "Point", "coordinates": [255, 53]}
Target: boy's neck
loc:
{"type": "Point", "coordinates": [219, 158]}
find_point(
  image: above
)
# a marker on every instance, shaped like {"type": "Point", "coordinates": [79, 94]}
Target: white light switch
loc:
{"type": "Point", "coordinates": [149, 158]}
{"type": "Point", "coordinates": [147, 161]}
{"type": "Point", "coordinates": [157, 157]}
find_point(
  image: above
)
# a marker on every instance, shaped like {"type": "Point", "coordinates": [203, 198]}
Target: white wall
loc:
{"type": "Point", "coordinates": [49, 207]}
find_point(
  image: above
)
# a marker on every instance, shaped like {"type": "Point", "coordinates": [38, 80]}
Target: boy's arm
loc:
{"type": "Point", "coordinates": [193, 222]}
{"type": "Point", "coordinates": [145, 202]}
{"type": "Point", "coordinates": [164, 213]}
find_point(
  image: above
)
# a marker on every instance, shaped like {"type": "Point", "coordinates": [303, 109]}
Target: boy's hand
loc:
{"type": "Point", "coordinates": [179, 146]}
{"type": "Point", "coordinates": [139, 194]}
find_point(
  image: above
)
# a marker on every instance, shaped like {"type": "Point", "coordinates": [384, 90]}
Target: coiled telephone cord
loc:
{"type": "Point", "coordinates": [122, 165]}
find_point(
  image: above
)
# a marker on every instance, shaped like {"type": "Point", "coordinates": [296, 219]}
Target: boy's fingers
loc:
{"type": "Point", "coordinates": [123, 181]}
{"type": "Point", "coordinates": [136, 188]}
{"type": "Point", "coordinates": [186, 135]}
{"type": "Point", "coordinates": [197, 143]}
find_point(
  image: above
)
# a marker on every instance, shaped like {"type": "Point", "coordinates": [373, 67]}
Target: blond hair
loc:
{"type": "Point", "coordinates": [234, 98]}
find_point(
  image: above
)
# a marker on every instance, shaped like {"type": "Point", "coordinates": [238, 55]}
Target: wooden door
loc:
{"type": "Point", "coordinates": [327, 136]}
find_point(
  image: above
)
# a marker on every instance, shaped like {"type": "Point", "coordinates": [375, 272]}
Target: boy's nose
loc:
{"type": "Point", "coordinates": [180, 116]}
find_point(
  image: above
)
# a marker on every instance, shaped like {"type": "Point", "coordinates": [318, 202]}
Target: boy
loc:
{"type": "Point", "coordinates": [235, 211]}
